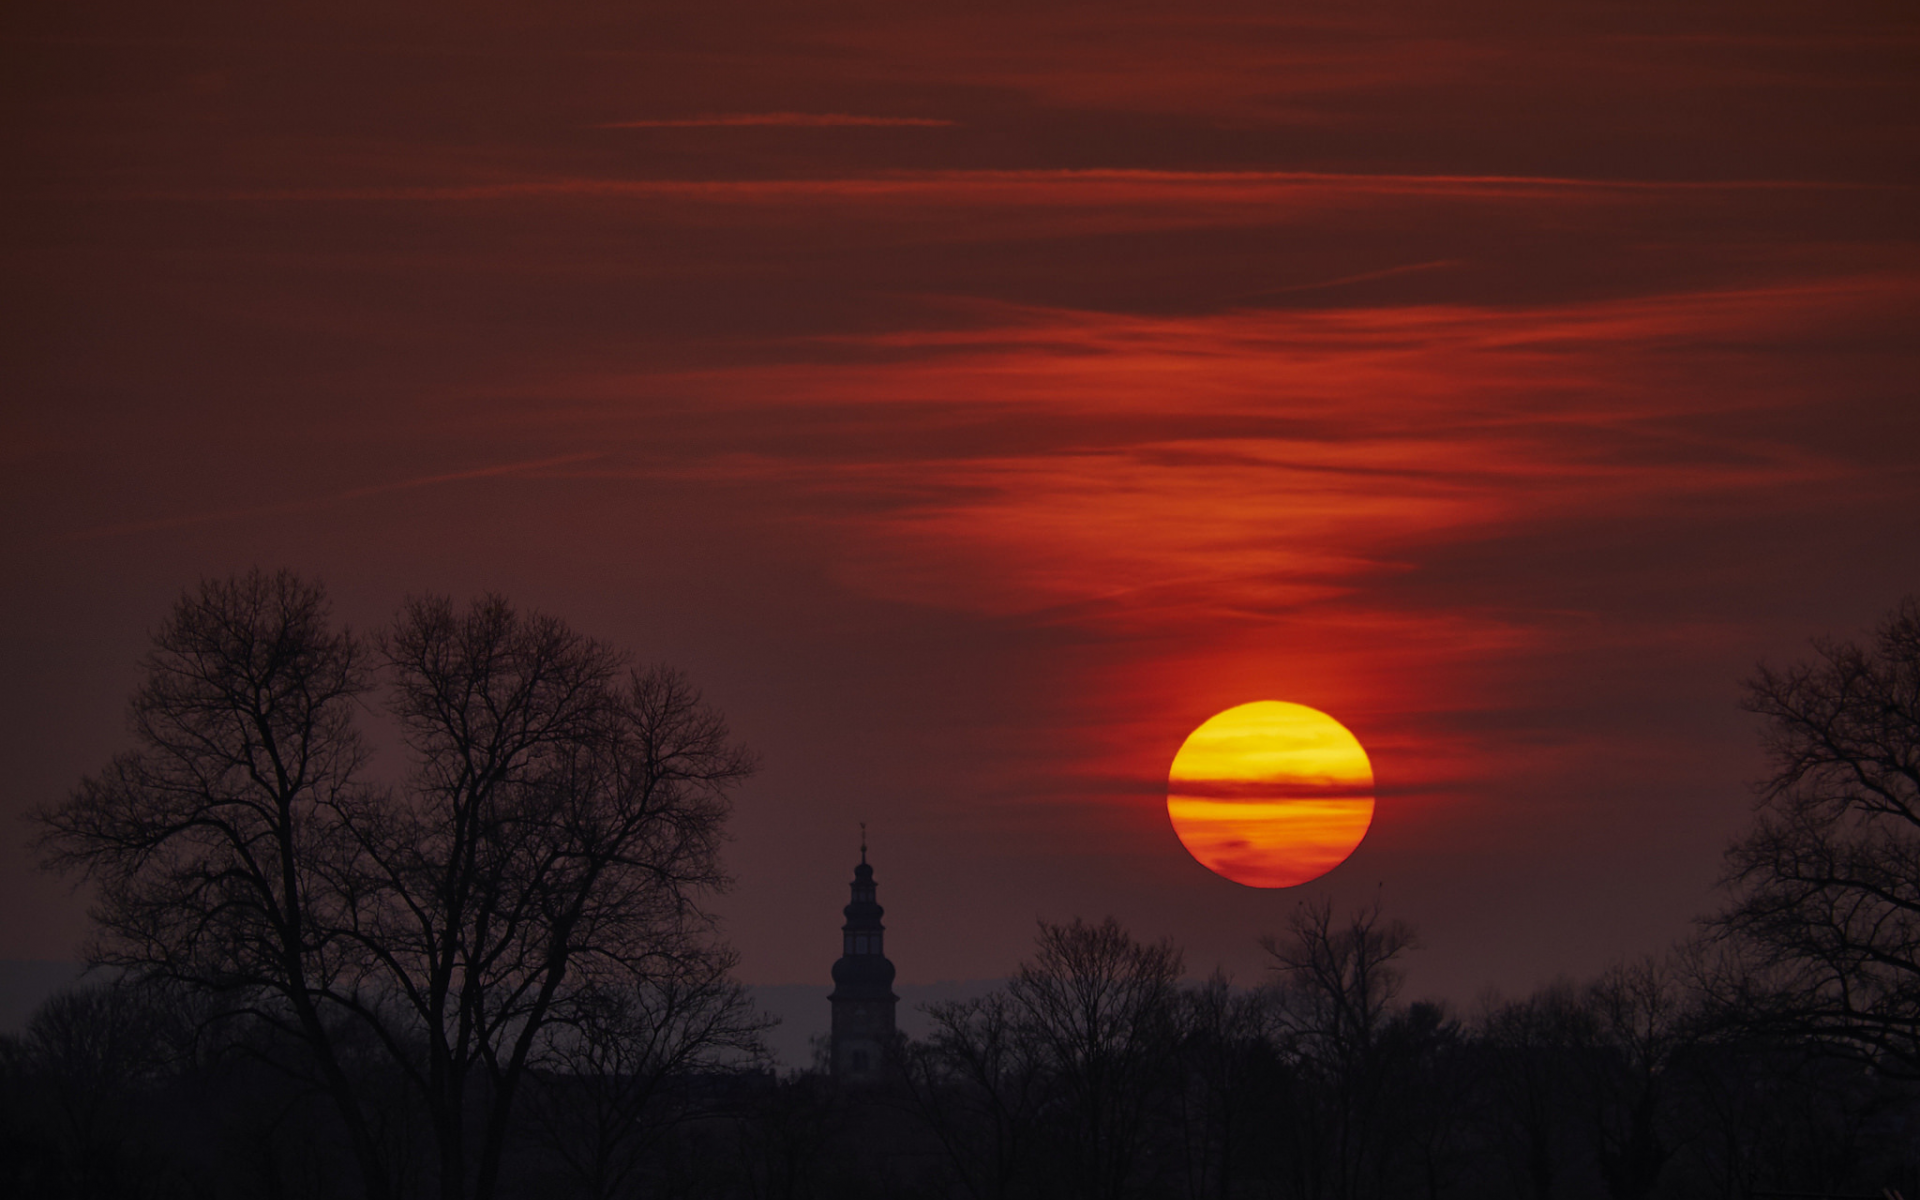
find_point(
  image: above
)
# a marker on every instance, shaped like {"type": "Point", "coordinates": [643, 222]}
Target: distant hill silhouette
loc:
{"type": "Point", "coordinates": [24, 983]}
{"type": "Point", "coordinates": [801, 1007]}
{"type": "Point", "coordinates": [803, 1013]}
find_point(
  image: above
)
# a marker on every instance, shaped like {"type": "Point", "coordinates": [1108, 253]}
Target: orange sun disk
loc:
{"type": "Point", "coordinates": [1270, 794]}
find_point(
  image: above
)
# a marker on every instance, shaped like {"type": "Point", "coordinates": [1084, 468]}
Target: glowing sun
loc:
{"type": "Point", "coordinates": [1270, 794]}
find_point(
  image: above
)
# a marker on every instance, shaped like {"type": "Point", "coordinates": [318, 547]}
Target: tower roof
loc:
{"type": "Point", "coordinates": [864, 912]}
{"type": "Point", "coordinates": [863, 973]}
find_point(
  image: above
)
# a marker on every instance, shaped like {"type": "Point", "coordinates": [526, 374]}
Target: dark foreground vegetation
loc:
{"type": "Point", "coordinates": [492, 978]}
{"type": "Point", "coordinates": [1093, 1073]}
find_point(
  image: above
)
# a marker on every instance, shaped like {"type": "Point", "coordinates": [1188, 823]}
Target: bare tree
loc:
{"type": "Point", "coordinates": [457, 955]}
{"type": "Point", "coordinates": [1338, 985]}
{"type": "Point", "coordinates": [1825, 908]}
{"type": "Point", "coordinates": [1643, 1023]}
{"type": "Point", "coordinates": [1533, 1051]}
{"type": "Point", "coordinates": [562, 819]}
{"type": "Point", "coordinates": [1226, 1056]}
{"type": "Point", "coordinates": [211, 841]}
{"type": "Point", "coordinates": [981, 1087]}
{"type": "Point", "coordinates": [1098, 1009]}
{"type": "Point", "coordinates": [87, 1056]}
{"type": "Point", "coordinates": [606, 1091]}
{"type": "Point", "coordinates": [559, 824]}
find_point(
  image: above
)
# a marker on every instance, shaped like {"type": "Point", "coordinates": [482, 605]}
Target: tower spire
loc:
{"type": "Point", "coordinates": [862, 999]}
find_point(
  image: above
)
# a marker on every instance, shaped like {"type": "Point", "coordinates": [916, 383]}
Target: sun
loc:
{"type": "Point", "coordinates": [1270, 794]}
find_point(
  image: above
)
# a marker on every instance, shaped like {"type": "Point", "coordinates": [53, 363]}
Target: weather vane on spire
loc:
{"type": "Point", "coordinates": [863, 841]}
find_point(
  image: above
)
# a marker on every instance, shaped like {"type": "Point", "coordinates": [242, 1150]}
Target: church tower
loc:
{"type": "Point", "coordinates": [862, 995]}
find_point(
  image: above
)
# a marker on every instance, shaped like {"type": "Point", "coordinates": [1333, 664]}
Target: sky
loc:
{"type": "Point", "coordinates": [976, 398]}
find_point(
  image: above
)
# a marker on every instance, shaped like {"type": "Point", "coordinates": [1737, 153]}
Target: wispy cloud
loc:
{"type": "Point", "coordinates": [1253, 499]}
{"type": "Point", "coordinates": [1154, 472]}
{"type": "Point", "coordinates": [1043, 187]}
{"type": "Point", "coordinates": [789, 120]}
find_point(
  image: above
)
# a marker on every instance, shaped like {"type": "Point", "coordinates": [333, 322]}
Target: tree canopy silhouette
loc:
{"type": "Point", "coordinates": [1825, 907]}
{"type": "Point", "coordinates": [546, 849]}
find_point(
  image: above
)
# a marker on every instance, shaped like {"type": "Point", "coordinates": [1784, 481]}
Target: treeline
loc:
{"type": "Point", "coordinates": [134, 1090]}
{"type": "Point", "coordinates": [1094, 1072]}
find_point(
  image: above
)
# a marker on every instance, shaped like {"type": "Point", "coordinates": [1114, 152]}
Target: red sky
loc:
{"type": "Point", "coordinates": [975, 400]}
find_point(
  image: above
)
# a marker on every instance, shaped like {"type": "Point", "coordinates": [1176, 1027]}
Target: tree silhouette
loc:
{"type": "Point", "coordinates": [214, 843]}
{"type": "Point", "coordinates": [547, 848]}
{"type": "Point", "coordinates": [1825, 908]}
{"type": "Point", "coordinates": [979, 1085]}
{"type": "Point", "coordinates": [1226, 1068]}
{"type": "Point", "coordinates": [1643, 1026]}
{"type": "Point", "coordinates": [1338, 984]}
{"type": "Point", "coordinates": [1533, 1050]}
{"type": "Point", "coordinates": [1098, 1008]}
{"type": "Point", "coordinates": [608, 1094]}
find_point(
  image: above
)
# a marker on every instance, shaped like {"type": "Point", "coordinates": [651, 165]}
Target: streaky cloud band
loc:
{"type": "Point", "coordinates": [786, 120]}
{"type": "Point", "coordinates": [1270, 789]}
